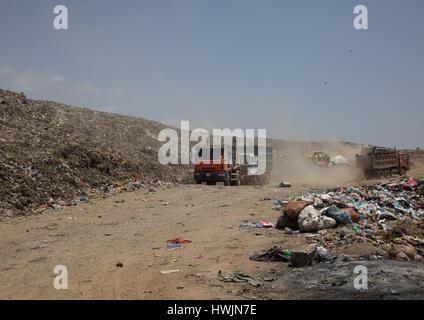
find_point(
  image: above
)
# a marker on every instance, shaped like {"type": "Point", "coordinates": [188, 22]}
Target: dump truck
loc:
{"type": "Point", "coordinates": [212, 167]}
{"type": "Point", "coordinates": [249, 168]}
{"type": "Point", "coordinates": [377, 162]}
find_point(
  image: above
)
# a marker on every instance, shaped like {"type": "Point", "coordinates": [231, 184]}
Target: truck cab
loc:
{"type": "Point", "coordinates": [212, 165]}
{"type": "Point", "coordinates": [232, 166]}
{"type": "Point", "coordinates": [403, 162]}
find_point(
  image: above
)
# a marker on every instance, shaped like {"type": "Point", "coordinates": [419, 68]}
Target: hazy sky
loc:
{"type": "Point", "coordinates": [228, 63]}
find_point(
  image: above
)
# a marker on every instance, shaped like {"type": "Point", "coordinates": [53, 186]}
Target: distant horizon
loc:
{"type": "Point", "coordinates": [175, 127]}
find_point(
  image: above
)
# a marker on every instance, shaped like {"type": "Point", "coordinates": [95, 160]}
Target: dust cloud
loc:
{"type": "Point", "coordinates": [290, 163]}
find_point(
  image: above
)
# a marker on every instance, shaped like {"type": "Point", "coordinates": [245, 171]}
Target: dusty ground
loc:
{"type": "Point", "coordinates": [91, 238]}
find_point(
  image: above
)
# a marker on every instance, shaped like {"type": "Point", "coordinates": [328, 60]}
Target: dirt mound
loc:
{"type": "Point", "coordinates": [53, 151]}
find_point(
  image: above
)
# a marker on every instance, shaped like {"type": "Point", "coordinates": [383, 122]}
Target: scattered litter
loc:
{"type": "Point", "coordinates": [38, 245]}
{"type": "Point", "coordinates": [285, 184]}
{"type": "Point", "coordinates": [267, 224]}
{"type": "Point", "coordinates": [273, 254]}
{"type": "Point", "coordinates": [238, 276]}
{"type": "Point", "coordinates": [169, 271]}
{"type": "Point", "coordinates": [178, 240]}
{"type": "Point", "coordinates": [173, 245]}
{"type": "Point", "coordinates": [80, 199]}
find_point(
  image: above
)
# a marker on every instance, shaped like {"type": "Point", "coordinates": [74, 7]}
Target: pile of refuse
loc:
{"type": "Point", "coordinates": [51, 153]}
{"type": "Point", "coordinates": [387, 213]}
{"type": "Point", "coordinates": [322, 159]}
{"type": "Point", "coordinates": [339, 160]}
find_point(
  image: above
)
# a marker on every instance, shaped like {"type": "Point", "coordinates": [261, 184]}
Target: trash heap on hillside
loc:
{"type": "Point", "coordinates": [53, 151]}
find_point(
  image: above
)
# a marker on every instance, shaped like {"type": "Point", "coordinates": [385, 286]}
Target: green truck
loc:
{"type": "Point", "coordinates": [249, 170]}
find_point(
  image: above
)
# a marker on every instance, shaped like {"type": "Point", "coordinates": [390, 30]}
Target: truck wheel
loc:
{"type": "Point", "coordinates": [198, 182]}
{"type": "Point", "coordinates": [402, 171]}
{"type": "Point", "coordinates": [238, 181]}
{"type": "Point", "coordinates": [235, 179]}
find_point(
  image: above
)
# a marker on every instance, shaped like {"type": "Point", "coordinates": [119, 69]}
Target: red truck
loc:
{"type": "Point", "coordinates": [211, 166]}
{"type": "Point", "coordinates": [377, 162]}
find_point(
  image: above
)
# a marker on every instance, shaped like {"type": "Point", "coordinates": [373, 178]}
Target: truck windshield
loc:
{"type": "Point", "coordinates": [210, 153]}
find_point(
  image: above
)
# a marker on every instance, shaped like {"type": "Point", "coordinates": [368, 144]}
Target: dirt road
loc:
{"type": "Point", "coordinates": [90, 239]}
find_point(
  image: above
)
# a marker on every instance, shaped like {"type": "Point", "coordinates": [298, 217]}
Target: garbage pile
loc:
{"type": "Point", "coordinates": [319, 158]}
{"type": "Point", "coordinates": [322, 159]}
{"type": "Point", "coordinates": [51, 153]}
{"type": "Point", "coordinates": [389, 214]}
{"type": "Point", "coordinates": [339, 160]}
